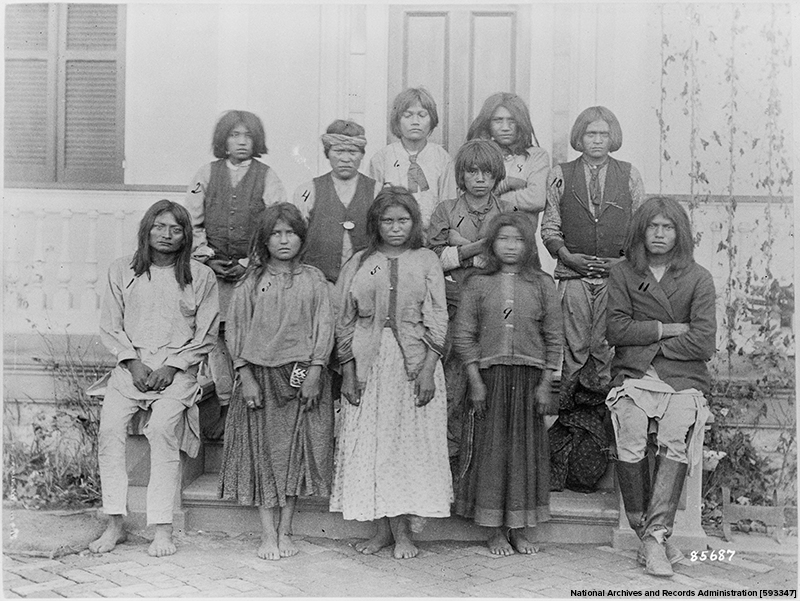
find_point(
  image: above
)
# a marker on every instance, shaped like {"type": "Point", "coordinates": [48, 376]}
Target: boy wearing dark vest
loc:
{"type": "Point", "coordinates": [589, 205]}
{"type": "Point", "coordinates": [225, 200]}
{"type": "Point", "coordinates": [336, 203]}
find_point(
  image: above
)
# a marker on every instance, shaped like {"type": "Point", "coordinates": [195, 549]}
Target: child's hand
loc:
{"type": "Point", "coordinates": [477, 397]}
{"type": "Point", "coordinates": [139, 372]}
{"type": "Point", "coordinates": [160, 378]}
{"type": "Point", "coordinates": [515, 183]}
{"type": "Point", "coordinates": [545, 401]}
{"type": "Point", "coordinates": [351, 389]}
{"type": "Point", "coordinates": [424, 386]}
{"type": "Point", "coordinates": [219, 266]}
{"type": "Point", "coordinates": [251, 392]}
{"type": "Point", "coordinates": [456, 239]}
{"type": "Point", "coordinates": [311, 388]}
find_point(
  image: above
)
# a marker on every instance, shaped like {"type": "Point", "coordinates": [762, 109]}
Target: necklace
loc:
{"type": "Point", "coordinates": [478, 215]}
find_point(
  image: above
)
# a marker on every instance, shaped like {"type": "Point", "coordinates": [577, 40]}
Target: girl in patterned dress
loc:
{"type": "Point", "coordinates": [279, 430]}
{"type": "Point", "coordinates": [391, 460]}
{"type": "Point", "coordinates": [508, 333]}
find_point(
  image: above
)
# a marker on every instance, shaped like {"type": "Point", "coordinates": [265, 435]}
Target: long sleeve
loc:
{"type": "Point", "coordinates": [621, 328]}
{"type": "Point", "coordinates": [376, 171]}
{"type": "Point", "coordinates": [700, 341]}
{"type": "Point", "coordinates": [346, 318]}
{"type": "Point", "coordinates": [434, 309]}
{"type": "Point", "coordinates": [112, 330]}
{"type": "Point", "coordinates": [636, 186]}
{"type": "Point", "coordinates": [206, 323]}
{"type": "Point", "coordinates": [465, 329]}
{"type": "Point", "coordinates": [274, 192]}
{"type": "Point", "coordinates": [194, 202]}
{"type": "Point", "coordinates": [552, 237]}
{"type": "Point", "coordinates": [324, 326]}
{"type": "Point", "coordinates": [438, 233]}
{"type": "Point", "coordinates": [238, 320]}
{"type": "Point", "coordinates": [532, 198]}
{"type": "Point", "coordinates": [447, 182]}
{"type": "Point", "coordinates": [552, 323]}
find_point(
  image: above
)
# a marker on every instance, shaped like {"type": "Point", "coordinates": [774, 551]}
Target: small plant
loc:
{"type": "Point", "coordinates": [58, 467]}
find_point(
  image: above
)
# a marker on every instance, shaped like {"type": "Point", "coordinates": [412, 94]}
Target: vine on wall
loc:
{"type": "Point", "coordinates": [725, 80]}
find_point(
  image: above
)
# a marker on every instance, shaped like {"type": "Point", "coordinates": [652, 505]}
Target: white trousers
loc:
{"type": "Point", "coordinates": [161, 432]}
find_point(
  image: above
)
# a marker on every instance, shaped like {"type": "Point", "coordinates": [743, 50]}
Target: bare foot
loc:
{"type": "Point", "coordinates": [403, 547]}
{"type": "Point", "coordinates": [520, 542]}
{"type": "Point", "coordinates": [269, 548]}
{"type": "Point", "coordinates": [286, 546]}
{"type": "Point", "coordinates": [498, 544]}
{"type": "Point", "coordinates": [162, 544]}
{"type": "Point", "coordinates": [113, 535]}
{"type": "Point", "coordinates": [376, 543]}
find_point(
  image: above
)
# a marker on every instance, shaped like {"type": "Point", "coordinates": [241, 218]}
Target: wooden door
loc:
{"type": "Point", "coordinates": [461, 54]}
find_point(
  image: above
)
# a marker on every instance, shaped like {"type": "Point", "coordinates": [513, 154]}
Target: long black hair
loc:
{"type": "Point", "coordinates": [481, 126]}
{"type": "Point", "coordinates": [391, 196]}
{"type": "Point", "coordinates": [225, 126]}
{"type": "Point", "coordinates": [530, 266]}
{"type": "Point", "coordinates": [635, 251]}
{"type": "Point", "coordinates": [142, 259]}
{"type": "Point", "coordinates": [258, 253]}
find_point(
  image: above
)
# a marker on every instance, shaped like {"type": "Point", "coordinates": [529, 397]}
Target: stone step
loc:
{"type": "Point", "coordinates": [575, 517]}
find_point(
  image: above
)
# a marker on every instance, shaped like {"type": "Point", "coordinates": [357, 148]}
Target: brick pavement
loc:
{"type": "Point", "coordinates": [216, 565]}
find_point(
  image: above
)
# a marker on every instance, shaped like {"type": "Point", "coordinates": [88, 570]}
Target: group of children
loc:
{"type": "Point", "coordinates": [415, 295]}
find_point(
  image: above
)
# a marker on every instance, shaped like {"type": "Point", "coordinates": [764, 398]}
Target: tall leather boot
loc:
{"type": "Point", "coordinates": [634, 484]}
{"type": "Point", "coordinates": [668, 482]}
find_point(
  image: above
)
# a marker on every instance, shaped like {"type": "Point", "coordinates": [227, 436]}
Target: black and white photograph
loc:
{"type": "Point", "coordinates": [324, 299]}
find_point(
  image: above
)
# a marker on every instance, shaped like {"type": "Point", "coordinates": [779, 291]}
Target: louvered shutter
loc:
{"type": "Point", "coordinates": [92, 121]}
{"type": "Point", "coordinates": [30, 82]}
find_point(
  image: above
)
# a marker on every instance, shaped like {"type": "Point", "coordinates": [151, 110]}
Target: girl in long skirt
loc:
{"type": "Point", "coordinates": [508, 333]}
{"type": "Point", "coordinates": [279, 430]}
{"type": "Point", "coordinates": [391, 460]}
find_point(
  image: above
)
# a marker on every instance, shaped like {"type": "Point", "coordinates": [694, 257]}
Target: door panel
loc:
{"type": "Point", "coordinates": [462, 54]}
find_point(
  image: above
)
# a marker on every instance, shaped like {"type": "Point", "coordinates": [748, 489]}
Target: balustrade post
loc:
{"type": "Point", "coordinates": [89, 296]}
{"type": "Point", "coordinates": [62, 297]}
{"type": "Point", "coordinates": [12, 261]}
{"type": "Point", "coordinates": [36, 295]}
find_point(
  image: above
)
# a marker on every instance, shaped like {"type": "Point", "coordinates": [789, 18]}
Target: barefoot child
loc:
{"type": "Point", "coordinates": [225, 199]}
{"type": "Point", "coordinates": [159, 318]}
{"type": "Point", "coordinates": [508, 333]}
{"type": "Point", "coordinates": [391, 460]}
{"type": "Point", "coordinates": [414, 162]}
{"type": "Point", "coordinates": [279, 430]}
{"type": "Point", "coordinates": [456, 233]}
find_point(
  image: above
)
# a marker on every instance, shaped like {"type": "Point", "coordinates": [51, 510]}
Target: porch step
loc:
{"type": "Point", "coordinates": [575, 517]}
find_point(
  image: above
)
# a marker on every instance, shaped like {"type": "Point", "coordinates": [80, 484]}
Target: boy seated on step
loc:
{"type": "Point", "coordinates": [160, 319]}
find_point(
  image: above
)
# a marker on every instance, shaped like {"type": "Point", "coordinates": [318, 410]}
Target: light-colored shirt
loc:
{"type": "Point", "coordinates": [390, 165]}
{"type": "Point", "coordinates": [305, 197]}
{"type": "Point", "coordinates": [274, 192]}
{"type": "Point", "coordinates": [152, 319]}
{"type": "Point", "coordinates": [282, 318]}
{"type": "Point", "coordinates": [533, 169]}
{"type": "Point", "coordinates": [551, 220]}
{"type": "Point", "coordinates": [405, 293]}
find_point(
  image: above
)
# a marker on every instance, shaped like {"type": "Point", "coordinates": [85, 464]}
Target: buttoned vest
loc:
{"type": "Point", "coordinates": [602, 235]}
{"type": "Point", "coordinates": [325, 229]}
{"type": "Point", "coordinates": [231, 214]}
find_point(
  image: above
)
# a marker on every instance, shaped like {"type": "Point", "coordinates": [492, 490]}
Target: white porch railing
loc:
{"type": "Point", "coordinates": [59, 244]}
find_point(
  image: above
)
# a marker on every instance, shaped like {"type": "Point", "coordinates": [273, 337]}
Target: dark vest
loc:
{"type": "Point", "coordinates": [604, 235]}
{"type": "Point", "coordinates": [325, 231]}
{"type": "Point", "coordinates": [231, 214]}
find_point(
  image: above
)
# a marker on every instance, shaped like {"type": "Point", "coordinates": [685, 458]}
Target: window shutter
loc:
{"type": "Point", "coordinates": [92, 120]}
{"type": "Point", "coordinates": [30, 75]}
